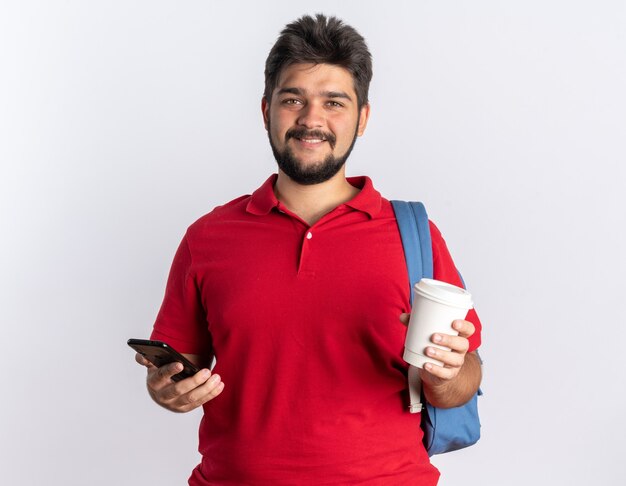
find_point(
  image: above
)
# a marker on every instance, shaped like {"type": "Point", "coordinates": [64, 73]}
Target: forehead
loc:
{"type": "Point", "coordinates": [316, 78]}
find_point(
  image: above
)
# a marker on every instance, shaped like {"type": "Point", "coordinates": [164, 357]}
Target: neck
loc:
{"type": "Point", "coordinates": [312, 202]}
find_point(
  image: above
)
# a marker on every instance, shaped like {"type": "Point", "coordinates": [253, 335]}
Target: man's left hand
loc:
{"type": "Point", "coordinates": [452, 360]}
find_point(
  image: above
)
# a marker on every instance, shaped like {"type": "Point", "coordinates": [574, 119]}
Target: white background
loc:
{"type": "Point", "coordinates": [121, 122]}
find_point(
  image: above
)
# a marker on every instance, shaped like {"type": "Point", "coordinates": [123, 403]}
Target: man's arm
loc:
{"type": "Point", "coordinates": [454, 383]}
{"type": "Point", "coordinates": [456, 391]}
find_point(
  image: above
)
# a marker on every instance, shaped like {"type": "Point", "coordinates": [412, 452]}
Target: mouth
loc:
{"type": "Point", "coordinates": [308, 144]}
{"type": "Point", "coordinates": [310, 141]}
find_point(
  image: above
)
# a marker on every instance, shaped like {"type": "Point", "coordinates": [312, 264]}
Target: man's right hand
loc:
{"type": "Point", "coordinates": [184, 395]}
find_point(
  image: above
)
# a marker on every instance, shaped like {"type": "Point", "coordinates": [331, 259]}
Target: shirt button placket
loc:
{"type": "Point", "coordinates": [302, 267]}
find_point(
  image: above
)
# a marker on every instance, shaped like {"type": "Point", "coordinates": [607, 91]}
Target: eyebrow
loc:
{"type": "Point", "coordinates": [326, 94]}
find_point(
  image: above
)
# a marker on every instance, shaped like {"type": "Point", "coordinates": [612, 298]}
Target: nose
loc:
{"type": "Point", "coordinates": [311, 116]}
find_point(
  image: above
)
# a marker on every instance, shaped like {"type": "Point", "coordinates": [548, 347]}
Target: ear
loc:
{"type": "Point", "coordinates": [265, 109]}
{"type": "Point", "coordinates": [363, 119]}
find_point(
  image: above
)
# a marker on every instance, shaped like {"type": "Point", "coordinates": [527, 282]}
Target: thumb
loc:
{"type": "Point", "coordinates": [404, 318]}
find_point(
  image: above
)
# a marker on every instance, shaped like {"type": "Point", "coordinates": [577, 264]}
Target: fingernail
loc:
{"type": "Point", "coordinates": [205, 373]}
{"type": "Point", "coordinates": [437, 338]}
{"type": "Point", "coordinates": [428, 366]}
{"type": "Point", "coordinates": [431, 352]}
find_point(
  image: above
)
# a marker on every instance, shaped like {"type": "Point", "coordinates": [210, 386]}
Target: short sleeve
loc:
{"type": "Point", "coordinates": [181, 321]}
{"type": "Point", "coordinates": [445, 270]}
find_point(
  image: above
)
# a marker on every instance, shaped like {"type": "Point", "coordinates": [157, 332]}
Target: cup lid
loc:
{"type": "Point", "coordinates": [444, 293]}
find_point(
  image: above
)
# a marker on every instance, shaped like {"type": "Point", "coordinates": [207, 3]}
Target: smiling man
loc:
{"type": "Point", "coordinates": [298, 291]}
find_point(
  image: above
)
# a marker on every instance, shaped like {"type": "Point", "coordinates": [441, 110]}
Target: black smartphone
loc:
{"type": "Point", "coordinates": [160, 354]}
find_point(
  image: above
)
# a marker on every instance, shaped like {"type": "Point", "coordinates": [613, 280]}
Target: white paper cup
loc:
{"type": "Point", "coordinates": [435, 306]}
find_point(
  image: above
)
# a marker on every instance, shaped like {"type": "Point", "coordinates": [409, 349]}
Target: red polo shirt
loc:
{"type": "Point", "coordinates": [304, 324]}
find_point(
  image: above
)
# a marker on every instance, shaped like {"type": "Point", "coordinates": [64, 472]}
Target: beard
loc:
{"type": "Point", "coordinates": [314, 173]}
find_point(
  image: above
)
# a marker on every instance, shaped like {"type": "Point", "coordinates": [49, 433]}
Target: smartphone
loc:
{"type": "Point", "coordinates": [160, 354]}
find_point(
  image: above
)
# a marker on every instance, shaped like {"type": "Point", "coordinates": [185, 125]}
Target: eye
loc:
{"type": "Point", "coordinates": [334, 104]}
{"type": "Point", "coordinates": [291, 101]}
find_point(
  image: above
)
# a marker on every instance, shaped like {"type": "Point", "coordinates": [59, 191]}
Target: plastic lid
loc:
{"type": "Point", "coordinates": [444, 293]}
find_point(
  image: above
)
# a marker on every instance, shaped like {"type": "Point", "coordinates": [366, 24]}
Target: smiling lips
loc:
{"type": "Point", "coordinates": [311, 140]}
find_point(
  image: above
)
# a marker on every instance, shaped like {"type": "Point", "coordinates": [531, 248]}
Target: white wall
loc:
{"type": "Point", "coordinates": [121, 122]}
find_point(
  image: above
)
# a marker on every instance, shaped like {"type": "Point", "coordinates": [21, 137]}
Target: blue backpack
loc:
{"type": "Point", "coordinates": [445, 429]}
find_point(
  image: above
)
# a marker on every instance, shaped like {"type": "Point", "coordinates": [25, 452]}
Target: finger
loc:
{"type": "Point", "coordinates": [457, 344]}
{"type": "Point", "coordinates": [404, 318]}
{"type": "Point", "coordinates": [159, 378]}
{"type": "Point", "coordinates": [464, 328]}
{"type": "Point", "coordinates": [200, 395]}
{"type": "Point", "coordinates": [450, 359]}
{"type": "Point", "coordinates": [169, 370]}
{"type": "Point", "coordinates": [177, 389]}
{"type": "Point", "coordinates": [441, 372]}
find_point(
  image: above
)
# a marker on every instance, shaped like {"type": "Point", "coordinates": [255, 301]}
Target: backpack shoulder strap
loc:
{"type": "Point", "coordinates": [415, 233]}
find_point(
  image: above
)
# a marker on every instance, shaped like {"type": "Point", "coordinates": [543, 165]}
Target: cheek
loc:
{"type": "Point", "coordinates": [344, 130]}
{"type": "Point", "coordinates": [279, 124]}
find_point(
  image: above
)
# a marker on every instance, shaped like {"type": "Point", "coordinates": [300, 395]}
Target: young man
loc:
{"type": "Point", "coordinates": [297, 290]}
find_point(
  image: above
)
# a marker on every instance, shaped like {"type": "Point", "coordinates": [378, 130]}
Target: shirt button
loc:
{"type": "Point", "coordinates": [309, 235]}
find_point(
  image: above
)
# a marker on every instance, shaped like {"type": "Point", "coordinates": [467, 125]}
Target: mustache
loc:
{"type": "Point", "coordinates": [301, 132]}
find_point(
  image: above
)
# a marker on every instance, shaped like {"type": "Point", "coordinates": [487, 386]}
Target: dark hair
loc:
{"type": "Point", "coordinates": [320, 40]}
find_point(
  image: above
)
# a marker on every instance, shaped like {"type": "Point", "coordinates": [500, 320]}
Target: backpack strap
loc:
{"type": "Point", "coordinates": [415, 233]}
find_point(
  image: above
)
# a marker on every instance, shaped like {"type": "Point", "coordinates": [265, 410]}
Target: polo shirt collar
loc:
{"type": "Point", "coordinates": [263, 199]}
{"type": "Point", "coordinates": [368, 200]}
